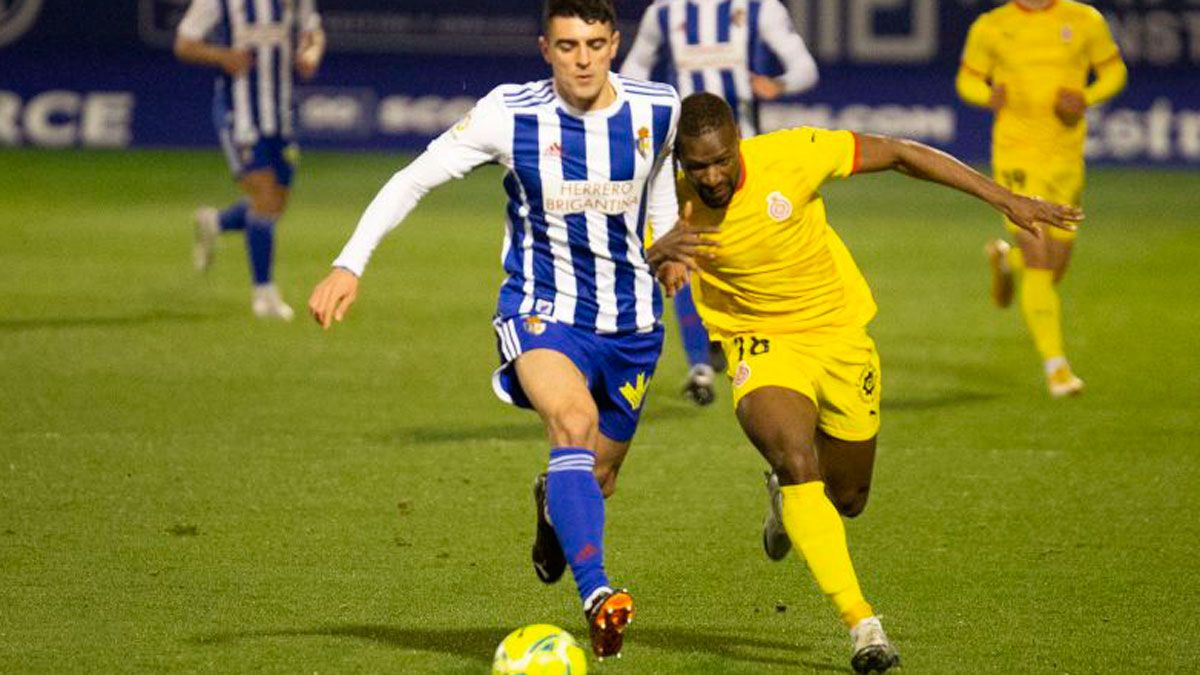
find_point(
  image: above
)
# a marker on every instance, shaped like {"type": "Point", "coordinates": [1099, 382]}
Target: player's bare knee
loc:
{"type": "Point", "coordinates": [795, 466]}
{"type": "Point", "coordinates": [575, 427]}
{"type": "Point", "coordinates": [851, 502]}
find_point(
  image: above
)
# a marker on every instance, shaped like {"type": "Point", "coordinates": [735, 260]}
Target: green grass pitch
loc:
{"type": "Point", "coordinates": [183, 488]}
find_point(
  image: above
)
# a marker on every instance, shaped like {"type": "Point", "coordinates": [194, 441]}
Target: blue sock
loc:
{"type": "Point", "coordinates": [691, 329]}
{"type": "Point", "coordinates": [576, 508]}
{"type": "Point", "coordinates": [233, 218]}
{"type": "Point", "coordinates": [260, 244]}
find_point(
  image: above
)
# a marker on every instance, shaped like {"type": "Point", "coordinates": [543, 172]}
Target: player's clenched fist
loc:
{"type": "Point", "coordinates": [331, 299]}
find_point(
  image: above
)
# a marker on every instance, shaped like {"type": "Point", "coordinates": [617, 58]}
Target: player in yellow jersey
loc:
{"type": "Point", "coordinates": [777, 287]}
{"type": "Point", "coordinates": [1030, 61]}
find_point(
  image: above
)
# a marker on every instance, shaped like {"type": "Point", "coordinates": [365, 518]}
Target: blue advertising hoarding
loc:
{"type": "Point", "coordinates": [94, 74]}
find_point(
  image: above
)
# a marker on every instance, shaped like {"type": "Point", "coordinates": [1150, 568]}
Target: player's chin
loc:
{"type": "Point", "coordinates": [715, 200]}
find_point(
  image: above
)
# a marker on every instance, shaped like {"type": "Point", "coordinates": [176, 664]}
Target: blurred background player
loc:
{"type": "Point", "coordinates": [780, 289]}
{"type": "Point", "coordinates": [744, 51]}
{"type": "Point", "coordinates": [588, 155]}
{"type": "Point", "coordinates": [257, 45]}
{"type": "Point", "coordinates": [1030, 61]}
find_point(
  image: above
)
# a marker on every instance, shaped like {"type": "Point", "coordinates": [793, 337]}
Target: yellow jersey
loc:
{"type": "Point", "coordinates": [1033, 54]}
{"type": "Point", "coordinates": [779, 266]}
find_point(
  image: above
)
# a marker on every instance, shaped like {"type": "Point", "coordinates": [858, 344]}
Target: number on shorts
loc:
{"type": "Point", "coordinates": [757, 346]}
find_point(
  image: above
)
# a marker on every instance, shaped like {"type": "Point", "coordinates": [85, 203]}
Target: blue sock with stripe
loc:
{"type": "Point", "coordinates": [691, 329]}
{"type": "Point", "coordinates": [233, 218]}
{"type": "Point", "coordinates": [260, 244]}
{"type": "Point", "coordinates": [576, 508]}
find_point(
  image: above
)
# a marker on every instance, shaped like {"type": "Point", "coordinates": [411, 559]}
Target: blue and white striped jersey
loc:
{"type": "Point", "coordinates": [258, 103]}
{"type": "Point", "coordinates": [715, 45]}
{"type": "Point", "coordinates": [581, 189]}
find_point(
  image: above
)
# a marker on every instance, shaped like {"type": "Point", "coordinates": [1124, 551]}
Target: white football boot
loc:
{"type": "Point", "coordinates": [208, 227]}
{"type": "Point", "coordinates": [267, 304]}
{"type": "Point", "coordinates": [1060, 381]}
{"type": "Point", "coordinates": [775, 538]}
{"type": "Point", "coordinates": [873, 651]}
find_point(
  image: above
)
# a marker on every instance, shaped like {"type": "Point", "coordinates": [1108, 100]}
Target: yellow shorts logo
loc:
{"type": "Point", "coordinates": [635, 391]}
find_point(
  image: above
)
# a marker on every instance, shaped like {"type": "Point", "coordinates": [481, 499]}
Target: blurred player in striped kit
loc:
{"type": "Point", "coordinates": [257, 45]}
{"type": "Point", "coordinates": [588, 160]}
{"type": "Point", "coordinates": [727, 48]}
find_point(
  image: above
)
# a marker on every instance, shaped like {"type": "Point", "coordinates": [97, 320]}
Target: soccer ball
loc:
{"type": "Point", "coordinates": [539, 649]}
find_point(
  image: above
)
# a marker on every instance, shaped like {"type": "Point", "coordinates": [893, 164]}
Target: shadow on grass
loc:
{"type": "Point", "coordinates": [945, 399]}
{"type": "Point", "coordinates": [478, 644]}
{"type": "Point", "coordinates": [730, 646]}
{"type": "Point", "coordinates": [450, 433]}
{"type": "Point", "coordinates": [141, 319]}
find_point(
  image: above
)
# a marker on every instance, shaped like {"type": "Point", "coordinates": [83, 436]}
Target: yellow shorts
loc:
{"type": "Point", "coordinates": [1060, 183]}
{"type": "Point", "coordinates": [840, 374]}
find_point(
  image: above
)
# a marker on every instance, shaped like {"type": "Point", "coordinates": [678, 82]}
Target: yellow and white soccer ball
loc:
{"type": "Point", "coordinates": [539, 649]}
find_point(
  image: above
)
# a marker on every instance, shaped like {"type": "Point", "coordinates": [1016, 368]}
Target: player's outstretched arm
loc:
{"type": "Point", "coordinates": [881, 153]}
{"type": "Point", "coordinates": [331, 299]}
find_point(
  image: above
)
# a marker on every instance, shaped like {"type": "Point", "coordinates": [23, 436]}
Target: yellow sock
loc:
{"type": "Point", "coordinates": [816, 530]}
{"type": "Point", "coordinates": [1043, 315]}
{"type": "Point", "coordinates": [1016, 261]}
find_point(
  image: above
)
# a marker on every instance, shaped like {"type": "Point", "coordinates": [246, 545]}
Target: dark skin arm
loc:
{"type": "Point", "coordinates": [881, 153]}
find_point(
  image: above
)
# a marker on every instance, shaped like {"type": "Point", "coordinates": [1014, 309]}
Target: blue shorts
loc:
{"type": "Point", "coordinates": [618, 368]}
{"type": "Point", "coordinates": [274, 153]}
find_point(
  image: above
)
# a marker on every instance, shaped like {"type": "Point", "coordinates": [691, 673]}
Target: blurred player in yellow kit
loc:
{"type": "Point", "coordinates": [778, 288]}
{"type": "Point", "coordinates": [1030, 62]}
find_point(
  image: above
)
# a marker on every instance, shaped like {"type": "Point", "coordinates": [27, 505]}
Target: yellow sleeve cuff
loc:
{"type": "Point", "coordinates": [972, 87]}
{"type": "Point", "coordinates": [1111, 76]}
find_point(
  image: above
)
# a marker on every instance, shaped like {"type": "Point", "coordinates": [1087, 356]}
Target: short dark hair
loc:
{"type": "Point", "coordinates": [591, 11]}
{"type": "Point", "coordinates": [702, 112]}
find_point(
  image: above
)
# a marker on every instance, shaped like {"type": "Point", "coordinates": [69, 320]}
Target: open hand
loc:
{"type": "Point", "coordinates": [331, 299]}
{"type": "Point", "coordinates": [1027, 212]}
{"type": "Point", "coordinates": [673, 276]}
{"type": "Point", "coordinates": [683, 244]}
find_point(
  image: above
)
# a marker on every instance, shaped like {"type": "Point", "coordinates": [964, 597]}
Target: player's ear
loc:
{"type": "Point", "coordinates": [544, 47]}
{"type": "Point", "coordinates": [616, 43]}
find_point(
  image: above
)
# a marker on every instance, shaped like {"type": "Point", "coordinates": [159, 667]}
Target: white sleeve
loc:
{"type": "Point", "coordinates": [799, 68]}
{"type": "Point", "coordinates": [310, 20]}
{"type": "Point", "coordinates": [199, 20]}
{"type": "Point", "coordinates": [470, 143]}
{"type": "Point", "coordinates": [641, 57]}
{"type": "Point", "coordinates": [663, 209]}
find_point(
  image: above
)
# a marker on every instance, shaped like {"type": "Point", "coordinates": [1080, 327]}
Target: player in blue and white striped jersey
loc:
{"type": "Point", "coordinates": [588, 159]}
{"type": "Point", "coordinates": [257, 45]}
{"type": "Point", "coordinates": [722, 47]}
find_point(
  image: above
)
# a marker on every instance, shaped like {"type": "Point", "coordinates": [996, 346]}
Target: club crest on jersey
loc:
{"type": "Point", "coordinates": [534, 325]}
{"type": "Point", "coordinates": [643, 142]}
{"type": "Point", "coordinates": [779, 208]}
{"type": "Point", "coordinates": [742, 374]}
{"type": "Point", "coordinates": [737, 17]}
{"type": "Point", "coordinates": [1066, 32]}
